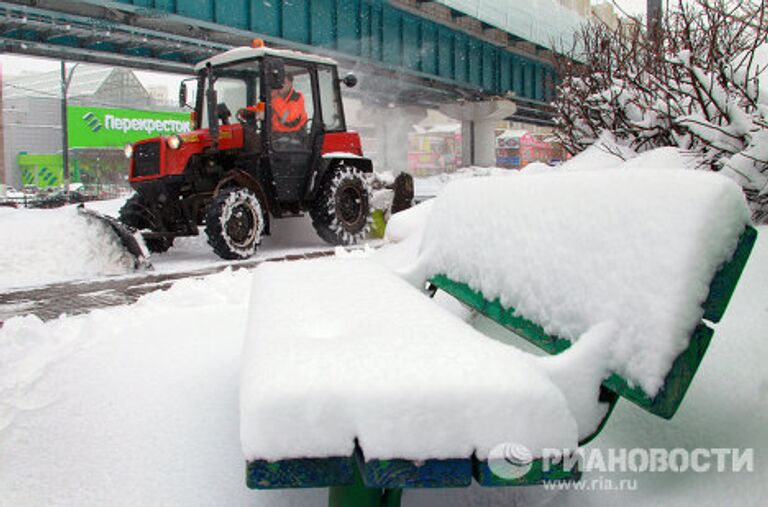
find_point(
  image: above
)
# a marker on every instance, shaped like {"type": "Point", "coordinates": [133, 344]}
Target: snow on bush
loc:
{"type": "Point", "coordinates": [571, 250]}
{"type": "Point", "coordinates": [698, 83]}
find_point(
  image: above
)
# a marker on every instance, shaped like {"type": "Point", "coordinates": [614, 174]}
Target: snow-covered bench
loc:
{"type": "Point", "coordinates": [658, 253]}
{"type": "Point", "coordinates": [348, 369]}
{"type": "Point", "coordinates": [354, 379]}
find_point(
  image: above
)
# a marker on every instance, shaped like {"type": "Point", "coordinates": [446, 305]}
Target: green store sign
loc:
{"type": "Point", "coordinates": [98, 127]}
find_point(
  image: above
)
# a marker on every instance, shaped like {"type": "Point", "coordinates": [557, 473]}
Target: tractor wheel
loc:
{"type": "Point", "coordinates": [234, 223]}
{"type": "Point", "coordinates": [341, 213]}
{"type": "Point", "coordinates": [135, 213]}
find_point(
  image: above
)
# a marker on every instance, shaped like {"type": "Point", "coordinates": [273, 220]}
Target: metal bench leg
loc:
{"type": "Point", "coordinates": [358, 495]}
{"type": "Point", "coordinates": [391, 498]}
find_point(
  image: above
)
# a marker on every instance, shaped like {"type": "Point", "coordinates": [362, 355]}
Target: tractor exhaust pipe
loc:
{"type": "Point", "coordinates": [212, 100]}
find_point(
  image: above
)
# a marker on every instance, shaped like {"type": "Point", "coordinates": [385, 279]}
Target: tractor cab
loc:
{"type": "Point", "coordinates": [251, 87]}
{"type": "Point", "coordinates": [269, 140]}
{"type": "Point", "coordinates": [285, 103]}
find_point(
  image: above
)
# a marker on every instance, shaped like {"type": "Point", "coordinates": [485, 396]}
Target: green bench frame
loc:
{"type": "Point", "coordinates": [680, 375]}
{"type": "Point", "coordinates": [355, 482]}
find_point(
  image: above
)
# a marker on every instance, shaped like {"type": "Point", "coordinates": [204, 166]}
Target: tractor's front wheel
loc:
{"type": "Point", "coordinates": [341, 214]}
{"type": "Point", "coordinates": [137, 214]}
{"type": "Point", "coordinates": [234, 223]}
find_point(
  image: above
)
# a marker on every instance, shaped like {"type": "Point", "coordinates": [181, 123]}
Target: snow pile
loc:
{"type": "Point", "coordinates": [430, 186]}
{"type": "Point", "coordinates": [39, 247]}
{"type": "Point", "coordinates": [663, 159]}
{"type": "Point", "coordinates": [610, 153]}
{"type": "Point", "coordinates": [421, 385]}
{"type": "Point", "coordinates": [606, 153]}
{"type": "Point", "coordinates": [56, 245]}
{"type": "Point", "coordinates": [134, 405]}
{"type": "Point", "coordinates": [403, 236]}
{"type": "Point", "coordinates": [407, 223]}
{"type": "Point", "coordinates": [572, 250]}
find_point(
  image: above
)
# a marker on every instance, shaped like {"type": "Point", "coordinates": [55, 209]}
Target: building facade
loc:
{"type": "Point", "coordinates": [32, 123]}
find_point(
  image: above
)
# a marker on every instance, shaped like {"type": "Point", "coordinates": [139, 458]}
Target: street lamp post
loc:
{"type": "Point", "coordinates": [66, 80]}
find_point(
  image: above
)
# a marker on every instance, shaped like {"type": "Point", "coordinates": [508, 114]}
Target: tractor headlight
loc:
{"type": "Point", "coordinates": [128, 150]}
{"type": "Point", "coordinates": [173, 142]}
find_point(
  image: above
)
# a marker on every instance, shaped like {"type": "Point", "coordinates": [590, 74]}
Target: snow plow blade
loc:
{"type": "Point", "coordinates": [129, 238]}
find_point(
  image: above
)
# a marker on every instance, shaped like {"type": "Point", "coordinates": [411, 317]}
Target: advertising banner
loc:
{"type": "Point", "coordinates": [99, 127]}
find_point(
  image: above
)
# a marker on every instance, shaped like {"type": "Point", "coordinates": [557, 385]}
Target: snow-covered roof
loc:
{"type": "Point", "coordinates": [86, 80]}
{"type": "Point", "coordinates": [247, 53]}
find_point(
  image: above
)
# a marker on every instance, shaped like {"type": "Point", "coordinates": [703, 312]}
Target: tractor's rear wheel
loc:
{"type": "Point", "coordinates": [135, 213]}
{"type": "Point", "coordinates": [234, 223]}
{"type": "Point", "coordinates": [341, 213]}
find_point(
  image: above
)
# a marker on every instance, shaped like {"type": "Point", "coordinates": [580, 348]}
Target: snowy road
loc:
{"type": "Point", "coordinates": [73, 298]}
{"type": "Point", "coordinates": [55, 263]}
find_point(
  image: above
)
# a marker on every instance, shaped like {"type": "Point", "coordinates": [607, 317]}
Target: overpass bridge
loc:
{"type": "Point", "coordinates": [414, 52]}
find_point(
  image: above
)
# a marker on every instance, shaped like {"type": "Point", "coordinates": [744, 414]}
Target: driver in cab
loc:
{"type": "Point", "coordinates": [288, 113]}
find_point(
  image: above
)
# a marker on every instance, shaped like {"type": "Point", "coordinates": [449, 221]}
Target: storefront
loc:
{"type": "Point", "coordinates": [96, 138]}
{"type": "Point", "coordinates": [515, 149]}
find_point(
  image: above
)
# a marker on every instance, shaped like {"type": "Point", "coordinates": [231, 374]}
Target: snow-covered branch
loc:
{"type": "Point", "coordinates": [700, 83]}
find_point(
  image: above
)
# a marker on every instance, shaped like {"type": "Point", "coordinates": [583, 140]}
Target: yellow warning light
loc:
{"type": "Point", "coordinates": [257, 43]}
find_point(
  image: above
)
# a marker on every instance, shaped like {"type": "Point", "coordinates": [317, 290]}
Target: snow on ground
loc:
{"type": "Point", "coordinates": [430, 186]}
{"type": "Point", "coordinates": [133, 405]}
{"type": "Point", "coordinates": [606, 153]}
{"type": "Point", "coordinates": [146, 412]}
{"type": "Point", "coordinates": [138, 405]}
{"type": "Point", "coordinates": [55, 245]}
{"type": "Point", "coordinates": [289, 236]}
{"type": "Point", "coordinates": [39, 246]}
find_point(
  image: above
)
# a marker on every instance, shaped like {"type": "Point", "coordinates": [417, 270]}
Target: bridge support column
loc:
{"type": "Point", "coordinates": [392, 125]}
{"type": "Point", "coordinates": [478, 123]}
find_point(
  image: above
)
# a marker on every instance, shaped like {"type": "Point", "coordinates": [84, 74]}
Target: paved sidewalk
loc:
{"type": "Point", "coordinates": [72, 298]}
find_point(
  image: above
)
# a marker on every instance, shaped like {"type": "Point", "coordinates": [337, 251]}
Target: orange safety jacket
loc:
{"type": "Point", "coordinates": [288, 114]}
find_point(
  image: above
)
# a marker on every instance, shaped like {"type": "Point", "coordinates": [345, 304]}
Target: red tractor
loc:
{"type": "Point", "coordinates": [239, 168]}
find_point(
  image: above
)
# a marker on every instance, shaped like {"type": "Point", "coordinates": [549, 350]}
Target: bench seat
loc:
{"type": "Point", "coordinates": [411, 397]}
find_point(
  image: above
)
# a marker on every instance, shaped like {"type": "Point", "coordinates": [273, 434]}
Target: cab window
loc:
{"type": "Point", "coordinates": [236, 86]}
{"type": "Point", "coordinates": [330, 101]}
